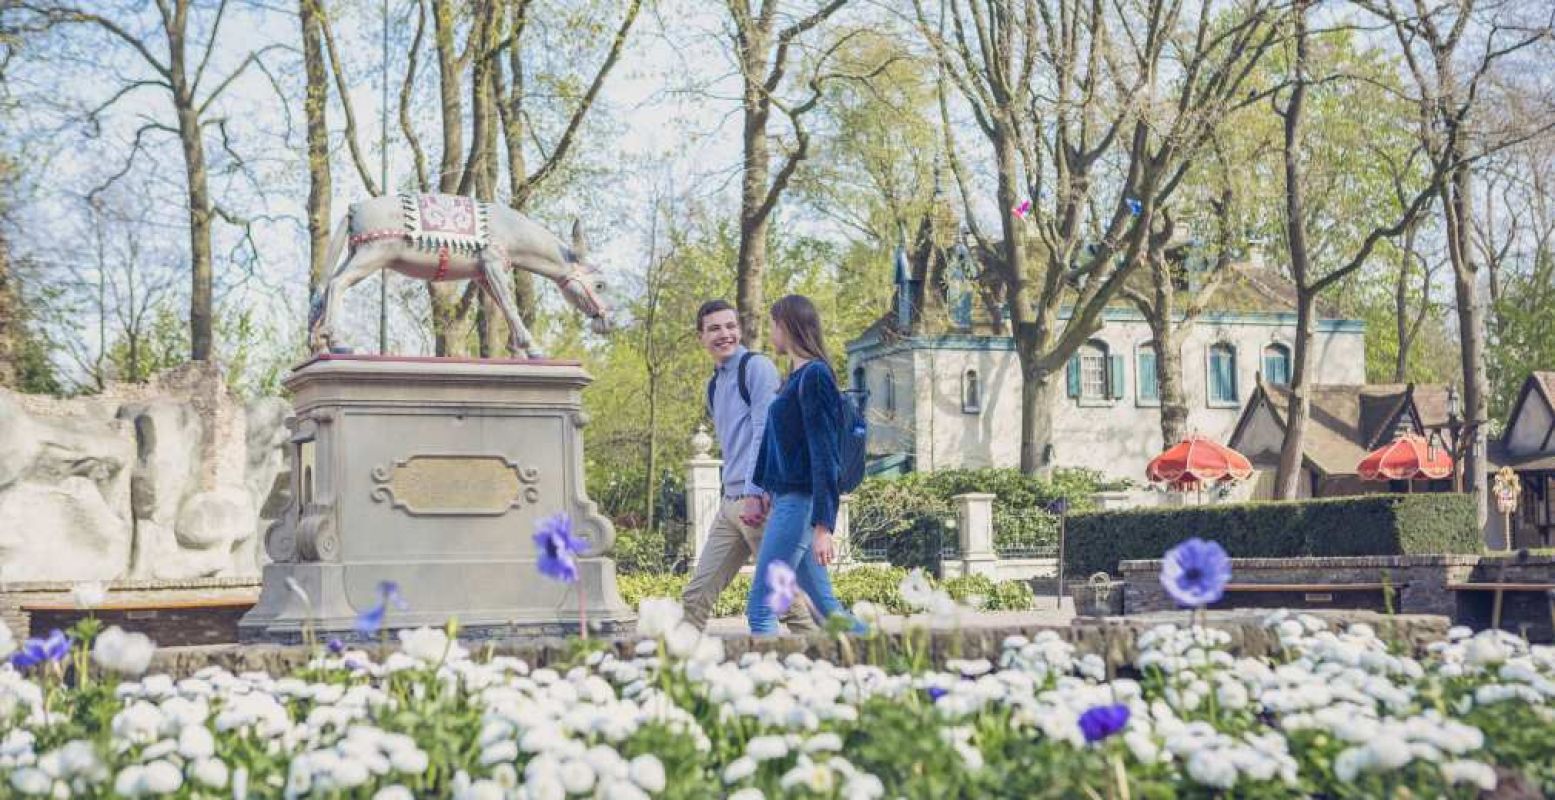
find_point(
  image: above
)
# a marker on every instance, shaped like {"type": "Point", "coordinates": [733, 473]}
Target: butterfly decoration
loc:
{"type": "Point", "coordinates": [1023, 209]}
{"type": "Point", "coordinates": [1135, 207]}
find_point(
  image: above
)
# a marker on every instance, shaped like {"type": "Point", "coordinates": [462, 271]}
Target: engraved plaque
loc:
{"type": "Point", "coordinates": [456, 485]}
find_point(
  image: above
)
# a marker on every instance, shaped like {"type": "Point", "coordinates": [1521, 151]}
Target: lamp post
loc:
{"type": "Point", "coordinates": [1455, 425]}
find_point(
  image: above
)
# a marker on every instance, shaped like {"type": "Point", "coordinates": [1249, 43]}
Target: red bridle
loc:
{"type": "Point", "coordinates": [586, 286]}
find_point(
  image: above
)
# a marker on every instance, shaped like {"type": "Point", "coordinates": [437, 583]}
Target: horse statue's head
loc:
{"type": "Point", "coordinates": [584, 284]}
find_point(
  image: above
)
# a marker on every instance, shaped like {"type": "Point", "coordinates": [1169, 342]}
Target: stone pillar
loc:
{"type": "Point", "coordinates": [975, 518]}
{"type": "Point", "coordinates": [704, 490]}
{"type": "Point", "coordinates": [840, 534]}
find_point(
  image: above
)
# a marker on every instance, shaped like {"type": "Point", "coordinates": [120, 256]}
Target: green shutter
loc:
{"type": "Point", "coordinates": [1115, 376]}
{"type": "Point", "coordinates": [1149, 386]}
{"type": "Point", "coordinates": [1074, 375]}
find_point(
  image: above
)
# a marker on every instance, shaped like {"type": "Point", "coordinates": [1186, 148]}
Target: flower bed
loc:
{"type": "Point", "coordinates": [1339, 714]}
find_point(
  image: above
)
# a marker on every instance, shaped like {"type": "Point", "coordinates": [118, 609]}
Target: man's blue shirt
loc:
{"type": "Point", "coordinates": [740, 427]}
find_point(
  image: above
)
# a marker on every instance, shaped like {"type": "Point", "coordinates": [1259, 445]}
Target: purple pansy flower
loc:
{"type": "Point", "coordinates": [336, 646]}
{"type": "Point", "coordinates": [368, 622]}
{"type": "Point", "coordinates": [781, 586]}
{"type": "Point", "coordinates": [1195, 572]}
{"type": "Point", "coordinates": [1102, 721]}
{"type": "Point", "coordinates": [935, 693]}
{"type": "Point", "coordinates": [558, 548]}
{"type": "Point", "coordinates": [39, 651]}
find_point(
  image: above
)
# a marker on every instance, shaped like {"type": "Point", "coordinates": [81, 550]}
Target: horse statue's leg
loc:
{"type": "Point", "coordinates": [361, 264]}
{"type": "Point", "coordinates": [496, 278]}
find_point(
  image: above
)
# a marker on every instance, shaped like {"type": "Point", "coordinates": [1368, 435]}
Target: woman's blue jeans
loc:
{"type": "Point", "coordinates": [789, 538]}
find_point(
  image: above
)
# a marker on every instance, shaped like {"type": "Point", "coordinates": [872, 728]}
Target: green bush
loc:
{"type": "Point", "coordinates": [1380, 524]}
{"type": "Point", "coordinates": [885, 509]}
{"type": "Point", "coordinates": [650, 551]}
{"type": "Point", "coordinates": [878, 585]}
{"type": "Point", "coordinates": [1000, 596]}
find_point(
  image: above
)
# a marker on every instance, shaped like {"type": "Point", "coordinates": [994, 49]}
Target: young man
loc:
{"type": "Point", "coordinates": [739, 418]}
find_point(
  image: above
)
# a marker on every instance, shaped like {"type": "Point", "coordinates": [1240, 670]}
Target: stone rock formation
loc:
{"type": "Point", "coordinates": [164, 480]}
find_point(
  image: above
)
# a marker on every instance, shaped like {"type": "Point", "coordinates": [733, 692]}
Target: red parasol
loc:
{"type": "Point", "coordinates": [1197, 460]}
{"type": "Point", "coordinates": [1409, 457]}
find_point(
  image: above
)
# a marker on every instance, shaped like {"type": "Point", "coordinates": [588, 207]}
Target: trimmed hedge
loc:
{"type": "Point", "coordinates": [1370, 525]}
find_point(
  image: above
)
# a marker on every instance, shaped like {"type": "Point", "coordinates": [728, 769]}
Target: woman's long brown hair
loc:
{"type": "Point", "coordinates": [802, 323]}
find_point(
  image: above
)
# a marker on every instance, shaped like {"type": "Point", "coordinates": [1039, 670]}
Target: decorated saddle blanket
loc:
{"type": "Point", "coordinates": [445, 222]}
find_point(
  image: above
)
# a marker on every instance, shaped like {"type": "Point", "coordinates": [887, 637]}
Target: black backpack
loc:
{"type": "Point", "coordinates": [855, 435]}
{"type": "Point", "coordinates": [852, 436]}
{"type": "Point", "coordinates": [745, 392]}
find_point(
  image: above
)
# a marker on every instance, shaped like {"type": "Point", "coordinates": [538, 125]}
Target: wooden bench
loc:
{"type": "Point", "coordinates": [1311, 593]}
{"type": "Point", "coordinates": [169, 622]}
{"type": "Point", "coordinates": [1501, 589]}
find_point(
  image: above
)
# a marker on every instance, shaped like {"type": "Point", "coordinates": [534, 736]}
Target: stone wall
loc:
{"type": "Point", "coordinates": [171, 479]}
{"type": "Point", "coordinates": [1420, 581]}
{"type": "Point", "coordinates": [1116, 641]}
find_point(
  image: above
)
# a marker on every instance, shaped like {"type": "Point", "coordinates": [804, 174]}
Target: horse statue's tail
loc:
{"type": "Point", "coordinates": [337, 243]}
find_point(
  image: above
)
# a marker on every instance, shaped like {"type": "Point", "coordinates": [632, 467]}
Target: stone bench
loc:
{"type": "Point", "coordinates": [1364, 595]}
{"type": "Point", "coordinates": [1526, 603]}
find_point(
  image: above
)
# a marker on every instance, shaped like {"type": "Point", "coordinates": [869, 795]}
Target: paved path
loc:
{"type": "Point", "coordinates": [1043, 614]}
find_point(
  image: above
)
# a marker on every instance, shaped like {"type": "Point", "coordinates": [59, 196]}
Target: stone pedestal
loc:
{"type": "Point", "coordinates": [432, 472]}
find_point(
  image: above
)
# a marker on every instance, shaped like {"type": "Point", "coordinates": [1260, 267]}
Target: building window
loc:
{"type": "Point", "coordinates": [888, 400]}
{"type": "Point", "coordinates": [1222, 375]}
{"type": "Point", "coordinates": [1095, 375]}
{"type": "Point", "coordinates": [971, 393]}
{"type": "Point", "coordinates": [1276, 365]}
{"type": "Point", "coordinates": [1148, 390]}
{"type": "Point", "coordinates": [858, 390]}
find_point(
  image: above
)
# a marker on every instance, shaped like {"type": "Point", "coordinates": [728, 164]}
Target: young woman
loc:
{"type": "Point", "coordinates": [798, 466]}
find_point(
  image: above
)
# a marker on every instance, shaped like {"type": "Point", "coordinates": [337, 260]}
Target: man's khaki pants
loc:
{"type": "Point", "coordinates": [729, 546]}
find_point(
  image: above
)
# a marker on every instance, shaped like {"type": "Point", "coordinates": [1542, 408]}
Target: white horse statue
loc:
{"type": "Point", "coordinates": [439, 237]}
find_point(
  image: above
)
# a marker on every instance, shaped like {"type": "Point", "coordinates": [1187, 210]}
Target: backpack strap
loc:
{"type": "Point", "coordinates": [745, 392]}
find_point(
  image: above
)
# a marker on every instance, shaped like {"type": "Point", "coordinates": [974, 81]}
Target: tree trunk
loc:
{"type": "Point", "coordinates": [10, 318]}
{"type": "Point", "coordinates": [1036, 414]}
{"type": "Point", "coordinates": [201, 314]}
{"type": "Point", "coordinates": [201, 317]}
{"type": "Point", "coordinates": [1036, 424]}
{"type": "Point", "coordinates": [314, 105]}
{"type": "Point", "coordinates": [443, 295]}
{"type": "Point", "coordinates": [518, 167]}
{"type": "Point", "coordinates": [1174, 400]}
{"type": "Point", "coordinates": [1471, 335]}
{"type": "Point", "coordinates": [653, 446]}
{"type": "Point", "coordinates": [751, 267]}
{"type": "Point", "coordinates": [480, 177]}
{"type": "Point", "coordinates": [1401, 313]}
{"type": "Point", "coordinates": [1293, 448]}
{"type": "Point", "coordinates": [1299, 410]}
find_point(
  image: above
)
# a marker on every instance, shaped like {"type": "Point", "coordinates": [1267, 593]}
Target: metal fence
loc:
{"type": "Point", "coordinates": [1025, 533]}
{"type": "Point", "coordinates": [916, 539]}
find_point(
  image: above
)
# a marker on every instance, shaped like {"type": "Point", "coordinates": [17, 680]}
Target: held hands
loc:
{"type": "Point", "coordinates": [756, 509]}
{"type": "Point", "coordinates": [825, 553]}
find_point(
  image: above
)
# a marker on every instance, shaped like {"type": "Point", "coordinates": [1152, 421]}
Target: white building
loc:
{"type": "Point", "coordinates": [943, 396]}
